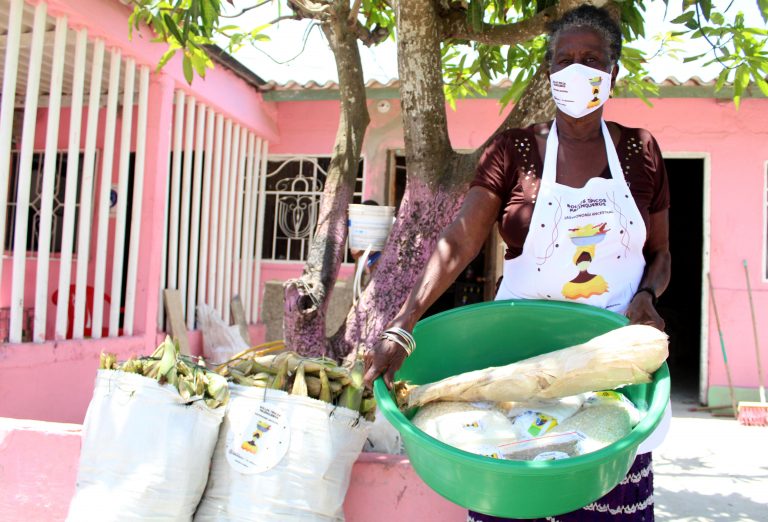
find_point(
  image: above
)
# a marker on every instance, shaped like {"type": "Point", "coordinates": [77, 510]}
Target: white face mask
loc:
{"type": "Point", "coordinates": [579, 90]}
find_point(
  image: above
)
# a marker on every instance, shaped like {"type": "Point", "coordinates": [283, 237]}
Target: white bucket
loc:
{"type": "Point", "coordinates": [369, 225]}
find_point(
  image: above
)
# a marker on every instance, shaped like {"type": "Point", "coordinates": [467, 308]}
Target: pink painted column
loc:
{"type": "Point", "coordinates": [159, 124]}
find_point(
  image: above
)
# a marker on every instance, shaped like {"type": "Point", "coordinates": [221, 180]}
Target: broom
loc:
{"type": "Point", "coordinates": [754, 413]}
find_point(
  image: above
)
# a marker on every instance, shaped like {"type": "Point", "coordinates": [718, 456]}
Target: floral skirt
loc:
{"type": "Point", "coordinates": [630, 501]}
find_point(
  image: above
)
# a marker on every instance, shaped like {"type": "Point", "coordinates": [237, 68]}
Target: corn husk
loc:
{"type": "Point", "coordinates": [627, 355]}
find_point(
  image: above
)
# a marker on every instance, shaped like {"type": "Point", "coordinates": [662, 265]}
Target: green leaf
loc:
{"type": "Point", "coordinates": [763, 5]}
{"type": "Point", "coordinates": [721, 78]}
{"type": "Point", "coordinates": [688, 15]}
{"type": "Point", "coordinates": [173, 28]}
{"type": "Point", "coordinates": [475, 13]}
{"type": "Point", "coordinates": [189, 73]}
{"type": "Point", "coordinates": [706, 8]}
{"type": "Point", "coordinates": [170, 53]}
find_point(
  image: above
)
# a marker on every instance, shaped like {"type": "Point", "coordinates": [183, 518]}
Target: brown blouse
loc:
{"type": "Point", "coordinates": [511, 168]}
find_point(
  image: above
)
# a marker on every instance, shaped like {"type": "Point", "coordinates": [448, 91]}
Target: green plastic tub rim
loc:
{"type": "Point", "coordinates": [644, 428]}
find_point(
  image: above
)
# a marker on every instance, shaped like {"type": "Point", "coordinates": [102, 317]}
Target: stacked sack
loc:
{"type": "Point", "coordinates": [293, 430]}
{"type": "Point", "coordinates": [148, 438]}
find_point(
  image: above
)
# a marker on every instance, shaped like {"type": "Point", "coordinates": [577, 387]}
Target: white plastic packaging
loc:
{"type": "Point", "coordinates": [145, 452]}
{"type": "Point", "coordinates": [221, 341]}
{"type": "Point", "coordinates": [281, 458]}
{"type": "Point", "coordinates": [470, 427]}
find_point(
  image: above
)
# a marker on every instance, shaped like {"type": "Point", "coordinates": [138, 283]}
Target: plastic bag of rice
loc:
{"type": "Point", "coordinates": [475, 427]}
{"type": "Point", "coordinates": [602, 424]}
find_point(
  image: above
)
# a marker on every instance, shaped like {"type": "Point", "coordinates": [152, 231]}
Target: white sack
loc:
{"type": "Point", "coordinates": [145, 453]}
{"type": "Point", "coordinates": [306, 483]}
{"type": "Point", "coordinates": [383, 437]}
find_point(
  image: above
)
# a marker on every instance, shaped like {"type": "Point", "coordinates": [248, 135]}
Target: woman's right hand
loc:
{"type": "Point", "coordinates": [384, 358]}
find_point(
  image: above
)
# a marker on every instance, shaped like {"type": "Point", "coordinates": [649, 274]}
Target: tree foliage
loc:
{"type": "Point", "coordinates": [476, 57]}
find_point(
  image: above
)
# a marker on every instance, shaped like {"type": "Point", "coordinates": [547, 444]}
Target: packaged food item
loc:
{"type": "Point", "coordinates": [548, 447]}
{"type": "Point", "coordinates": [602, 424]}
{"type": "Point", "coordinates": [465, 426]}
{"type": "Point", "coordinates": [533, 424]}
{"type": "Point", "coordinates": [614, 398]}
{"type": "Point", "coordinates": [558, 409]}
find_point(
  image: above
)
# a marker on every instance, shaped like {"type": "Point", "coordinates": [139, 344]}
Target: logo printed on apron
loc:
{"type": "Point", "coordinates": [584, 244]}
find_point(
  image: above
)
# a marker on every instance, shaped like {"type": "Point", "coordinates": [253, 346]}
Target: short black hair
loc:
{"type": "Point", "coordinates": [591, 17]}
{"type": "Point", "coordinates": [371, 202]}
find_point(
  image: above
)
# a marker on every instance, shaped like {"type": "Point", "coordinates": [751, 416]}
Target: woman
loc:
{"type": "Point", "coordinates": [583, 208]}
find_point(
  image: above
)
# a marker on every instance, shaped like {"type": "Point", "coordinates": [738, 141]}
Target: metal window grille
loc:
{"type": "Point", "coordinates": [36, 202]}
{"type": "Point", "coordinates": [294, 186]}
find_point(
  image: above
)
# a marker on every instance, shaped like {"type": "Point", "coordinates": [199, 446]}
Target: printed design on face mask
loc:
{"type": "Point", "coordinates": [585, 285]}
{"type": "Point", "coordinates": [555, 234]}
{"type": "Point", "coordinates": [595, 83]}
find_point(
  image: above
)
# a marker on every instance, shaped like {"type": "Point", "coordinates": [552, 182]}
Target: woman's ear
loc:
{"type": "Point", "coordinates": [614, 74]}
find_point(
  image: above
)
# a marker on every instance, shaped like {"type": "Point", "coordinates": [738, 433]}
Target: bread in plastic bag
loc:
{"type": "Point", "coordinates": [145, 452]}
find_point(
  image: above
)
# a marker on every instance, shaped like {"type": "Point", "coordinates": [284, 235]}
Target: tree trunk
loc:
{"type": "Point", "coordinates": [306, 298]}
{"type": "Point", "coordinates": [432, 192]}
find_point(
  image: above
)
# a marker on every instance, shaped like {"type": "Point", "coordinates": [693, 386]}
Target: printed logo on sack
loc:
{"type": "Point", "coordinates": [262, 444]}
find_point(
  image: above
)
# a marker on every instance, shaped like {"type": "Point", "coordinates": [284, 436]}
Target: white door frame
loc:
{"type": "Point", "coordinates": [706, 213]}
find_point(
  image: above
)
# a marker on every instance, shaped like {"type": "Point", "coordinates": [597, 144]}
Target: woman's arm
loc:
{"type": "Point", "coordinates": [658, 269]}
{"type": "Point", "coordinates": [459, 244]}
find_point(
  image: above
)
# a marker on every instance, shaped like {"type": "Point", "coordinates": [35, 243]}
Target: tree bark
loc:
{"type": "Point", "coordinates": [306, 298]}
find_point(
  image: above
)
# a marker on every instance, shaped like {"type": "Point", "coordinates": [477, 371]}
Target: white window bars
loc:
{"type": "Point", "coordinates": [211, 223]}
{"type": "Point", "coordinates": [56, 191]}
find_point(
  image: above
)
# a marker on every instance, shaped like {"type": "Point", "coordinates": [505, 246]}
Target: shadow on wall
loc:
{"type": "Point", "coordinates": [691, 505]}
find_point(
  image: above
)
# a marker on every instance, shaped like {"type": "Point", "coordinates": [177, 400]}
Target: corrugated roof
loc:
{"type": "Point", "coordinates": [272, 85]}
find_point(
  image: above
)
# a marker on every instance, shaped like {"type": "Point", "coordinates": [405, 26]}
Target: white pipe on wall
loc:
{"type": "Point", "coordinates": [254, 228]}
{"type": "Point", "coordinates": [194, 234]}
{"type": "Point", "coordinates": [138, 198]}
{"type": "Point", "coordinates": [126, 130]}
{"type": "Point", "coordinates": [215, 212]}
{"type": "Point", "coordinates": [260, 232]}
{"type": "Point", "coordinates": [7, 108]}
{"type": "Point", "coordinates": [86, 190]}
{"type": "Point", "coordinates": [49, 180]}
{"type": "Point", "coordinates": [24, 177]}
{"type": "Point", "coordinates": [70, 194]}
{"type": "Point", "coordinates": [186, 184]}
{"type": "Point", "coordinates": [230, 230]}
{"type": "Point", "coordinates": [237, 261]}
{"type": "Point", "coordinates": [202, 271]}
{"type": "Point", "coordinates": [173, 225]}
{"type": "Point", "coordinates": [247, 228]}
{"type": "Point", "coordinates": [107, 166]}
{"type": "Point", "coordinates": [225, 175]}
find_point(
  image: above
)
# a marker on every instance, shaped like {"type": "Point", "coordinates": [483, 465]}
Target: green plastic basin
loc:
{"type": "Point", "coordinates": [499, 333]}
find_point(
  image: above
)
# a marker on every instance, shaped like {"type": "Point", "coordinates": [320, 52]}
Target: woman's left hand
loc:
{"type": "Point", "coordinates": [642, 311]}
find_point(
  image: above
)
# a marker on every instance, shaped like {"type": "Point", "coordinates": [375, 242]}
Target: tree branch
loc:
{"type": "Point", "coordinates": [373, 37]}
{"type": "Point", "coordinates": [456, 26]}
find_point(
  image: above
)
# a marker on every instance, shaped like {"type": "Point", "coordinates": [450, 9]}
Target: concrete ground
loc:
{"type": "Point", "coordinates": [710, 468]}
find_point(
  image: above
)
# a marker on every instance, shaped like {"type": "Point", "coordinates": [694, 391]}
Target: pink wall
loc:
{"type": "Point", "coordinates": [38, 468]}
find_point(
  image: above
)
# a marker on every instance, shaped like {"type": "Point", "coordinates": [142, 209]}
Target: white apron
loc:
{"type": "Point", "coordinates": [584, 245]}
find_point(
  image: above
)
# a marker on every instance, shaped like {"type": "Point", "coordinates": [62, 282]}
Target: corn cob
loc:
{"type": "Point", "coordinates": [300, 383]}
{"type": "Point", "coordinates": [627, 355]}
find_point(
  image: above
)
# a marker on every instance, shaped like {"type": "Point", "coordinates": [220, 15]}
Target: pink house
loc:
{"type": "Point", "coordinates": [191, 187]}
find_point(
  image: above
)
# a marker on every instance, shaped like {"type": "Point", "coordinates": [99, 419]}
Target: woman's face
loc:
{"type": "Point", "coordinates": [584, 46]}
